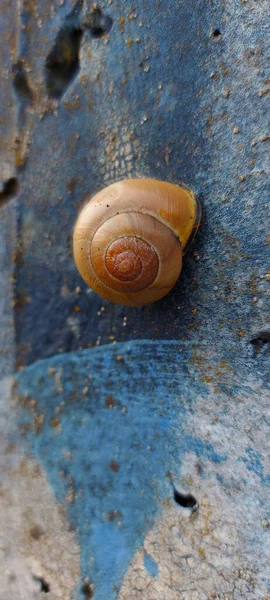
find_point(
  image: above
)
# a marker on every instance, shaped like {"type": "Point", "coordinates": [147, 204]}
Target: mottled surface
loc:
{"type": "Point", "coordinates": [39, 552]}
{"type": "Point", "coordinates": [178, 91]}
{"type": "Point", "coordinates": [114, 438]}
{"type": "Point", "coordinates": [163, 94]}
{"type": "Point", "coordinates": [8, 35]}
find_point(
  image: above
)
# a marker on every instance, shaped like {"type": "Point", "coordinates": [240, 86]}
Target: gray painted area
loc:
{"type": "Point", "coordinates": [7, 249]}
{"type": "Point", "coordinates": [38, 550]}
{"type": "Point", "coordinates": [115, 406]}
{"type": "Point", "coordinates": [8, 33]}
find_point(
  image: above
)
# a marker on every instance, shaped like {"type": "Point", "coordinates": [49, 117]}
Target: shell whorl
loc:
{"type": "Point", "coordinates": [129, 239]}
{"type": "Point", "coordinates": [133, 261]}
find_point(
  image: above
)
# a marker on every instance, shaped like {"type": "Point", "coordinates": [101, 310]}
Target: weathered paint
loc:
{"type": "Point", "coordinates": [37, 542]}
{"type": "Point", "coordinates": [177, 91]}
{"type": "Point", "coordinates": [158, 96]}
{"type": "Point", "coordinates": [112, 436]}
{"type": "Point", "coordinates": [150, 565]}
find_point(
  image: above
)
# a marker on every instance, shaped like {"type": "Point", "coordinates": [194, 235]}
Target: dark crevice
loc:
{"type": "Point", "coordinates": [260, 342]}
{"type": "Point", "coordinates": [185, 500]}
{"type": "Point", "coordinates": [63, 62]}
{"type": "Point", "coordinates": [87, 590]}
{"type": "Point", "coordinates": [21, 84]}
{"type": "Point", "coordinates": [44, 586]}
{"type": "Point", "coordinates": [216, 34]}
{"type": "Point", "coordinates": [24, 99]}
{"type": "Point", "coordinates": [97, 23]}
{"type": "Point", "coordinates": [9, 189]}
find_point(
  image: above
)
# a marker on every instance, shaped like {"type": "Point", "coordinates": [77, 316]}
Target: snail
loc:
{"type": "Point", "coordinates": [129, 239]}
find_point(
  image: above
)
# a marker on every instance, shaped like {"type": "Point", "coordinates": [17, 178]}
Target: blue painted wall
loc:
{"type": "Point", "coordinates": [113, 400]}
{"type": "Point", "coordinates": [109, 426]}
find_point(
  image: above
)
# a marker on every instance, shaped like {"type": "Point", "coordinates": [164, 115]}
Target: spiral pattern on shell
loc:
{"type": "Point", "coordinates": [129, 239]}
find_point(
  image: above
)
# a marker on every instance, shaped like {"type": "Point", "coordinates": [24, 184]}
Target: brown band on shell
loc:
{"type": "Point", "coordinates": [155, 242]}
{"type": "Point", "coordinates": [131, 258]}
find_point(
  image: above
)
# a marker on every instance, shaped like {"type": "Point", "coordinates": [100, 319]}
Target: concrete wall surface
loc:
{"type": "Point", "coordinates": [134, 441]}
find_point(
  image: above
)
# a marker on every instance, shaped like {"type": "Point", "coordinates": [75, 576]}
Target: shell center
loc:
{"type": "Point", "coordinates": [127, 257]}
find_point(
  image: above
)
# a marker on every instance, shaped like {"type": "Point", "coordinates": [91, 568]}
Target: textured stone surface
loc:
{"type": "Point", "coordinates": [165, 95]}
{"type": "Point", "coordinates": [117, 427]}
{"type": "Point", "coordinates": [38, 550]}
{"type": "Point", "coordinates": [177, 91]}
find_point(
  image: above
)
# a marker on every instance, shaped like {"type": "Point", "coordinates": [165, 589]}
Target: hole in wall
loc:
{"type": "Point", "coordinates": [98, 23]}
{"type": "Point", "coordinates": [63, 62]}
{"type": "Point", "coordinates": [36, 532]}
{"type": "Point", "coordinates": [25, 98]}
{"type": "Point", "coordinates": [185, 500]}
{"type": "Point", "coordinates": [87, 590]}
{"type": "Point", "coordinates": [10, 188]}
{"type": "Point", "coordinates": [260, 342]}
{"type": "Point", "coordinates": [44, 586]}
{"type": "Point", "coordinates": [216, 35]}
{"type": "Point", "coordinates": [21, 84]}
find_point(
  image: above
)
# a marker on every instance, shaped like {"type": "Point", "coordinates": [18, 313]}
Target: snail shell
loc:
{"type": "Point", "coordinates": [129, 239]}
